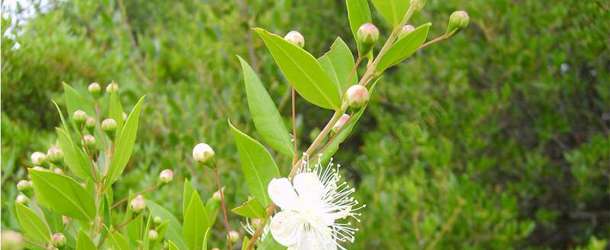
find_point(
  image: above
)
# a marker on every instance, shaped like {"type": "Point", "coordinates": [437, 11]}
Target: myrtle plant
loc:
{"type": "Point", "coordinates": [68, 202]}
{"type": "Point", "coordinates": [311, 207]}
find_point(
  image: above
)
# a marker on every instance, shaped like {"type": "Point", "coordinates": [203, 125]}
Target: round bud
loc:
{"type": "Point", "coordinates": [202, 153]}
{"type": "Point", "coordinates": [38, 158]}
{"type": "Point", "coordinates": [340, 123]}
{"type": "Point", "coordinates": [24, 185]}
{"type": "Point", "coordinates": [166, 176]}
{"type": "Point", "coordinates": [112, 87]}
{"type": "Point", "coordinates": [88, 140]}
{"type": "Point", "coordinates": [58, 239]}
{"type": "Point", "coordinates": [90, 123]}
{"type": "Point", "coordinates": [418, 4]}
{"type": "Point", "coordinates": [405, 30]}
{"type": "Point", "coordinates": [79, 117]}
{"type": "Point", "coordinates": [233, 236]}
{"type": "Point", "coordinates": [458, 20]}
{"type": "Point", "coordinates": [157, 220]}
{"type": "Point", "coordinates": [217, 196]}
{"type": "Point", "coordinates": [58, 171]}
{"type": "Point", "coordinates": [95, 89]}
{"type": "Point", "coordinates": [109, 125]}
{"type": "Point", "coordinates": [367, 34]}
{"type": "Point", "coordinates": [12, 240]}
{"type": "Point", "coordinates": [295, 38]}
{"type": "Point", "coordinates": [65, 219]}
{"type": "Point", "coordinates": [22, 199]}
{"type": "Point", "coordinates": [54, 154]}
{"type": "Point", "coordinates": [357, 96]}
{"type": "Point", "coordinates": [138, 204]}
{"type": "Point", "coordinates": [153, 235]}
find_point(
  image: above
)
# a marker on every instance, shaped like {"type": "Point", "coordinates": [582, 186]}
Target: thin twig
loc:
{"type": "Point", "coordinates": [224, 208]}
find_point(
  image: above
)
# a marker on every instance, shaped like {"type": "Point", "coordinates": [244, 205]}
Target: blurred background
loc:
{"type": "Point", "coordinates": [496, 139]}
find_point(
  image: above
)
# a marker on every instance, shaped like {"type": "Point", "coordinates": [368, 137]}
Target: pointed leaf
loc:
{"type": "Point", "coordinates": [212, 206]}
{"type": "Point", "coordinates": [195, 223]}
{"type": "Point", "coordinates": [118, 240]}
{"type": "Point", "coordinates": [84, 242]}
{"type": "Point", "coordinates": [302, 71]}
{"type": "Point", "coordinates": [392, 11]}
{"type": "Point", "coordinates": [339, 64]}
{"type": "Point", "coordinates": [63, 194]}
{"type": "Point", "coordinates": [124, 143]}
{"type": "Point", "coordinates": [174, 227]}
{"type": "Point", "coordinates": [74, 101]}
{"type": "Point", "coordinates": [74, 157]}
{"type": "Point", "coordinates": [34, 227]}
{"type": "Point", "coordinates": [265, 115]}
{"type": "Point", "coordinates": [256, 164]}
{"type": "Point", "coordinates": [404, 48]}
{"type": "Point", "coordinates": [115, 109]}
{"type": "Point", "coordinates": [251, 209]}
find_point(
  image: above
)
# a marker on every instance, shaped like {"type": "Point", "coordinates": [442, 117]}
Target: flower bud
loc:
{"type": "Point", "coordinates": [340, 123]}
{"type": "Point", "coordinates": [166, 176]}
{"type": "Point", "coordinates": [405, 30]}
{"type": "Point", "coordinates": [58, 171]}
{"type": "Point", "coordinates": [58, 239]}
{"type": "Point", "coordinates": [367, 34]}
{"type": "Point", "coordinates": [295, 38]}
{"type": "Point", "coordinates": [217, 195]}
{"type": "Point", "coordinates": [79, 117]}
{"type": "Point", "coordinates": [458, 20]}
{"type": "Point", "coordinates": [95, 89]}
{"type": "Point", "coordinates": [65, 219]}
{"type": "Point", "coordinates": [112, 87]}
{"type": "Point", "coordinates": [418, 4]}
{"type": "Point", "coordinates": [357, 96]}
{"type": "Point", "coordinates": [38, 158]}
{"type": "Point", "coordinates": [24, 185]}
{"type": "Point", "coordinates": [138, 204]}
{"type": "Point", "coordinates": [12, 240]}
{"type": "Point", "coordinates": [233, 236]}
{"type": "Point", "coordinates": [54, 154]}
{"type": "Point", "coordinates": [88, 140]}
{"type": "Point", "coordinates": [109, 125]}
{"type": "Point", "coordinates": [202, 153]}
{"type": "Point", "coordinates": [22, 199]}
{"type": "Point", "coordinates": [153, 235]}
{"type": "Point", "coordinates": [157, 220]}
{"type": "Point", "coordinates": [90, 124]}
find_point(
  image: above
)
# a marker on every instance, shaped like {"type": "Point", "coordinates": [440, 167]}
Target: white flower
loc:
{"type": "Point", "coordinates": [311, 206]}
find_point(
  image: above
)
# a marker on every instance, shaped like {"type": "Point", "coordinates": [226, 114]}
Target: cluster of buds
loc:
{"type": "Point", "coordinates": [295, 38]}
{"type": "Point", "coordinates": [202, 153]}
{"type": "Point", "coordinates": [138, 204]}
{"type": "Point", "coordinates": [357, 96]}
{"type": "Point", "coordinates": [367, 35]}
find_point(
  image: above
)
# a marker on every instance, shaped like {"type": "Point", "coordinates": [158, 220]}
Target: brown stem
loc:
{"type": "Point", "coordinates": [224, 208]}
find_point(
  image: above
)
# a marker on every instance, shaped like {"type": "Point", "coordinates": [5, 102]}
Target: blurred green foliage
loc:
{"type": "Point", "coordinates": [496, 139]}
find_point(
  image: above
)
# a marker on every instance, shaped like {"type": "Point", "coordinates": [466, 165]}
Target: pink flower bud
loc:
{"type": "Point", "coordinates": [54, 154]}
{"type": "Point", "coordinates": [367, 34]}
{"type": "Point", "coordinates": [58, 239]}
{"type": "Point", "coordinates": [138, 204]}
{"type": "Point", "coordinates": [166, 176]}
{"type": "Point", "coordinates": [357, 96]}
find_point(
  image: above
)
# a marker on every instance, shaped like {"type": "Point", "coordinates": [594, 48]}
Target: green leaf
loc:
{"type": "Point", "coordinates": [212, 206]}
{"type": "Point", "coordinates": [63, 194]}
{"type": "Point", "coordinates": [174, 228]}
{"type": "Point", "coordinates": [265, 115]}
{"type": "Point", "coordinates": [195, 222]}
{"type": "Point", "coordinates": [339, 64]}
{"type": "Point", "coordinates": [186, 195]}
{"type": "Point", "coordinates": [333, 144]}
{"type": "Point", "coordinates": [74, 157]}
{"type": "Point", "coordinates": [358, 13]}
{"type": "Point", "coordinates": [204, 245]}
{"type": "Point", "coordinates": [268, 243]}
{"type": "Point", "coordinates": [84, 242]}
{"type": "Point", "coordinates": [392, 11]}
{"type": "Point", "coordinates": [118, 240]}
{"type": "Point", "coordinates": [244, 243]}
{"type": "Point", "coordinates": [303, 71]}
{"type": "Point", "coordinates": [172, 245]}
{"type": "Point", "coordinates": [134, 228]}
{"type": "Point", "coordinates": [250, 209]}
{"type": "Point", "coordinates": [404, 48]}
{"type": "Point", "coordinates": [115, 109]}
{"type": "Point", "coordinates": [256, 164]}
{"type": "Point", "coordinates": [74, 101]}
{"type": "Point", "coordinates": [124, 143]}
{"type": "Point", "coordinates": [34, 227]}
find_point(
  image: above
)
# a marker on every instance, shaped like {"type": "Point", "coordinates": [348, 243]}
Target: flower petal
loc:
{"type": "Point", "coordinates": [282, 193]}
{"type": "Point", "coordinates": [286, 228]}
{"type": "Point", "coordinates": [315, 240]}
{"type": "Point", "coordinates": [308, 186]}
